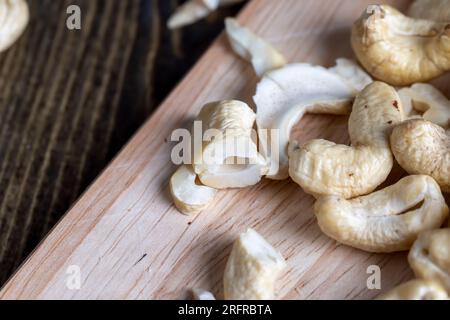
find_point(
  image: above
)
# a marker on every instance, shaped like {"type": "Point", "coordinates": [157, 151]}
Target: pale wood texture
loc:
{"type": "Point", "coordinates": [130, 242]}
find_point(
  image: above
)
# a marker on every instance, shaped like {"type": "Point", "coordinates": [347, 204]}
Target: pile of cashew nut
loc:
{"type": "Point", "coordinates": [394, 116]}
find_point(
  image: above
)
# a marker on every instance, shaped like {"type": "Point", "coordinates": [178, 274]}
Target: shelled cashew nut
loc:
{"type": "Point", "coordinates": [401, 50]}
{"type": "Point", "coordinates": [230, 157]}
{"type": "Point", "coordinates": [189, 197]}
{"type": "Point", "coordinates": [322, 167]}
{"type": "Point", "coordinates": [387, 220]}
{"type": "Point", "coordinates": [252, 269]}
{"type": "Point", "coordinates": [416, 290]}
{"type": "Point", "coordinates": [284, 95]}
{"type": "Point", "coordinates": [200, 294]}
{"type": "Point", "coordinates": [430, 257]}
{"type": "Point", "coordinates": [438, 10]}
{"type": "Point", "coordinates": [430, 101]}
{"type": "Point", "coordinates": [252, 48]}
{"type": "Point", "coordinates": [14, 17]}
{"type": "Point", "coordinates": [422, 147]}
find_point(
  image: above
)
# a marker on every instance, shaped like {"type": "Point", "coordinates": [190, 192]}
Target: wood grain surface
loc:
{"type": "Point", "coordinates": [69, 100]}
{"type": "Point", "coordinates": [129, 241]}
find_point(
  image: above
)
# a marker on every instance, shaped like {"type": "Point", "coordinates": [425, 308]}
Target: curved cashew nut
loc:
{"type": "Point", "coordinates": [252, 48]}
{"type": "Point", "coordinates": [252, 268]}
{"type": "Point", "coordinates": [230, 158]}
{"type": "Point", "coordinates": [387, 220]}
{"type": "Point", "coordinates": [430, 256]}
{"type": "Point", "coordinates": [324, 168]}
{"type": "Point", "coordinates": [284, 95]}
{"type": "Point", "coordinates": [416, 290]}
{"type": "Point", "coordinates": [422, 147]}
{"type": "Point", "coordinates": [401, 50]}
{"type": "Point", "coordinates": [14, 17]}
{"type": "Point", "coordinates": [189, 197]}
{"type": "Point", "coordinates": [438, 10]}
{"type": "Point", "coordinates": [429, 100]}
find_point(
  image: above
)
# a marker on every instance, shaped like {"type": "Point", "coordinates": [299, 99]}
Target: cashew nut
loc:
{"type": "Point", "coordinates": [438, 10]}
{"type": "Point", "coordinates": [430, 257]}
{"type": "Point", "coordinates": [14, 17]}
{"type": "Point", "coordinates": [189, 197]}
{"type": "Point", "coordinates": [322, 167]}
{"type": "Point", "coordinates": [284, 95]}
{"type": "Point", "coordinates": [230, 158]}
{"type": "Point", "coordinates": [252, 268]}
{"type": "Point", "coordinates": [387, 220]}
{"type": "Point", "coordinates": [200, 294]}
{"type": "Point", "coordinates": [252, 48]}
{"type": "Point", "coordinates": [416, 290]}
{"type": "Point", "coordinates": [422, 147]}
{"type": "Point", "coordinates": [425, 98]}
{"type": "Point", "coordinates": [398, 49]}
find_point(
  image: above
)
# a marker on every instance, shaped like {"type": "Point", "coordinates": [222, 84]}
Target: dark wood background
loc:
{"type": "Point", "coordinates": [69, 100]}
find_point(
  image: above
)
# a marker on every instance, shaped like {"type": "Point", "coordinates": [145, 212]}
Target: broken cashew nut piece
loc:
{"type": "Point", "coordinates": [252, 269]}
{"type": "Point", "coordinates": [322, 167]}
{"type": "Point", "coordinates": [284, 95]}
{"type": "Point", "coordinates": [388, 220]}
{"type": "Point", "coordinates": [189, 197]}
{"type": "Point", "coordinates": [437, 10]}
{"type": "Point", "coordinates": [401, 50]}
{"type": "Point", "coordinates": [229, 157]}
{"type": "Point", "coordinates": [430, 257]}
{"type": "Point", "coordinates": [416, 290]}
{"type": "Point", "coordinates": [422, 147]}
{"type": "Point", "coordinates": [200, 294]}
{"type": "Point", "coordinates": [252, 48]}
{"type": "Point", "coordinates": [14, 17]}
{"type": "Point", "coordinates": [425, 98]}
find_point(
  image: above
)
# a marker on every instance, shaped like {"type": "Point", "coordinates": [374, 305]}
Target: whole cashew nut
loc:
{"type": "Point", "coordinates": [430, 256]}
{"type": "Point", "coordinates": [387, 220]}
{"type": "Point", "coordinates": [422, 147]}
{"type": "Point", "coordinates": [401, 50]}
{"type": "Point", "coordinates": [252, 268]}
{"type": "Point", "coordinates": [14, 17]}
{"type": "Point", "coordinates": [416, 290]}
{"type": "Point", "coordinates": [324, 168]}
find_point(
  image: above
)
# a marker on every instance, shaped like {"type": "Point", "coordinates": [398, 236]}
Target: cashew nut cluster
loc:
{"type": "Point", "coordinates": [416, 290]}
{"type": "Point", "coordinates": [14, 17]}
{"type": "Point", "coordinates": [422, 147]}
{"type": "Point", "coordinates": [229, 158]}
{"type": "Point", "coordinates": [401, 50]}
{"type": "Point", "coordinates": [252, 268]}
{"type": "Point", "coordinates": [322, 167]}
{"type": "Point", "coordinates": [430, 257]}
{"type": "Point", "coordinates": [193, 10]}
{"type": "Point", "coordinates": [438, 10]}
{"type": "Point", "coordinates": [388, 220]}
{"type": "Point", "coordinates": [425, 98]}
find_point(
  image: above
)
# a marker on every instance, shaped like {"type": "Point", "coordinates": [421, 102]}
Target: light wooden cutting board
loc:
{"type": "Point", "coordinates": [127, 240]}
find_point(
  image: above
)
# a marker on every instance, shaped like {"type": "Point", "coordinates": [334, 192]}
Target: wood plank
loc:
{"type": "Point", "coordinates": [130, 242]}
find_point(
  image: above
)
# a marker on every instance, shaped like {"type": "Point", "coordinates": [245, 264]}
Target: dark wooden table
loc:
{"type": "Point", "coordinates": [70, 99]}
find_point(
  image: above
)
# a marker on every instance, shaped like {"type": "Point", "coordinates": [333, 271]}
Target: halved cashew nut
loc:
{"type": "Point", "coordinates": [422, 147]}
{"type": "Point", "coordinates": [430, 101]}
{"type": "Point", "coordinates": [284, 95]}
{"type": "Point", "coordinates": [14, 17]}
{"type": "Point", "coordinates": [200, 294]}
{"type": "Point", "coordinates": [252, 268]}
{"type": "Point", "coordinates": [387, 220]}
{"type": "Point", "coordinates": [438, 10]}
{"type": "Point", "coordinates": [416, 290]}
{"type": "Point", "coordinates": [430, 257]}
{"type": "Point", "coordinates": [189, 197]}
{"type": "Point", "coordinates": [252, 48]}
{"type": "Point", "coordinates": [322, 167]}
{"type": "Point", "coordinates": [401, 50]}
{"type": "Point", "coordinates": [229, 158]}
